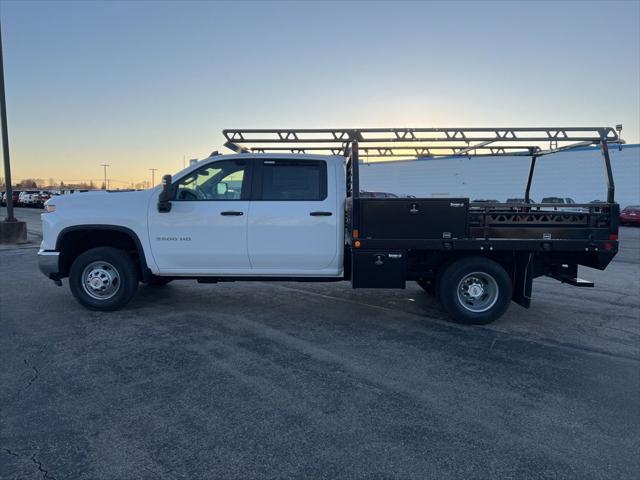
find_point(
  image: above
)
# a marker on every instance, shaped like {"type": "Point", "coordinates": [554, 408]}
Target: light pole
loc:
{"type": "Point", "coordinates": [153, 176]}
{"type": "Point", "coordinates": [104, 166]}
{"type": "Point", "coordinates": [5, 139]}
{"type": "Point", "coordinates": [11, 230]}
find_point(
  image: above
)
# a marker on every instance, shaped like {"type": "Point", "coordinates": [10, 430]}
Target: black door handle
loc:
{"type": "Point", "coordinates": [231, 213]}
{"type": "Point", "coordinates": [321, 214]}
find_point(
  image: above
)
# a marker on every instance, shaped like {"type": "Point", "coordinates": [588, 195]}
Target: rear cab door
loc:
{"type": "Point", "coordinates": [295, 217]}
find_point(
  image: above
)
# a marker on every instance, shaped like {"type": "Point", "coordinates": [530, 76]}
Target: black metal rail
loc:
{"type": "Point", "coordinates": [423, 142]}
{"type": "Point", "coordinates": [542, 214]}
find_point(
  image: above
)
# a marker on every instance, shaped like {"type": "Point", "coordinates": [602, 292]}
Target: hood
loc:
{"type": "Point", "coordinates": [103, 198]}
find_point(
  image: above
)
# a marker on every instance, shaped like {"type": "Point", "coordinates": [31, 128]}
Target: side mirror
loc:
{"type": "Point", "coordinates": [164, 199]}
{"type": "Point", "coordinates": [222, 188]}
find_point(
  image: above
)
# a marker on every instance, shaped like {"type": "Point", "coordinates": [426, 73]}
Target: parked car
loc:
{"type": "Point", "coordinates": [377, 195]}
{"type": "Point", "coordinates": [630, 215]}
{"type": "Point", "coordinates": [33, 199]}
{"type": "Point", "coordinates": [24, 199]}
{"type": "Point", "coordinates": [519, 208]}
{"type": "Point", "coordinates": [477, 204]}
{"type": "Point", "coordinates": [42, 197]}
{"type": "Point", "coordinates": [562, 200]}
{"type": "Point", "coordinates": [564, 205]}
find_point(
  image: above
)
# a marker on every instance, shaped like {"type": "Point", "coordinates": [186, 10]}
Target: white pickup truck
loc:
{"type": "Point", "coordinates": [299, 216]}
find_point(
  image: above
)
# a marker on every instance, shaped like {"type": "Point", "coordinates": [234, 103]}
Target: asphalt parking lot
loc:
{"type": "Point", "coordinates": [264, 380]}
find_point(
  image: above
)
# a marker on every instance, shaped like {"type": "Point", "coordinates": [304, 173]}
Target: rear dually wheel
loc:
{"type": "Point", "coordinates": [475, 290]}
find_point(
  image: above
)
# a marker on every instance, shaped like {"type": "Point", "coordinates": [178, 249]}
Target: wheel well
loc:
{"type": "Point", "coordinates": [77, 241]}
{"type": "Point", "coordinates": [430, 264]}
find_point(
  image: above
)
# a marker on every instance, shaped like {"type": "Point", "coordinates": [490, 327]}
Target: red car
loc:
{"type": "Point", "coordinates": [630, 215]}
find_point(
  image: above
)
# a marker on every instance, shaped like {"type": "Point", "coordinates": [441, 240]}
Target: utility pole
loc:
{"type": "Point", "coordinates": [104, 166]}
{"type": "Point", "coordinates": [11, 230]}
{"type": "Point", "coordinates": [153, 176]}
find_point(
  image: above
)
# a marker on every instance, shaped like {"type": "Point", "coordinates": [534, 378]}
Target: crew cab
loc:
{"type": "Point", "coordinates": [271, 215]}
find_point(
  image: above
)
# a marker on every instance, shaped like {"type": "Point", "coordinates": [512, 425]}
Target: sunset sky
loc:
{"type": "Point", "coordinates": [142, 84]}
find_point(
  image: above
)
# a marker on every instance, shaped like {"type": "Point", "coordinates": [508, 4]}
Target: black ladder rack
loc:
{"type": "Point", "coordinates": [354, 143]}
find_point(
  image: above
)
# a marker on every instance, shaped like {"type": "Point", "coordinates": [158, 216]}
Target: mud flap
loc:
{"type": "Point", "coordinates": [523, 279]}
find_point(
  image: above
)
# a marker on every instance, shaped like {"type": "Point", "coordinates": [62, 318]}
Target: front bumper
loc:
{"type": "Point", "coordinates": [49, 263]}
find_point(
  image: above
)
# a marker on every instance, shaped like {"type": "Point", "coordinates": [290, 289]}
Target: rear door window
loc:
{"type": "Point", "coordinates": [293, 180]}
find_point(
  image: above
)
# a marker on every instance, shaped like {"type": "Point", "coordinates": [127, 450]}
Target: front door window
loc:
{"type": "Point", "coordinates": [217, 181]}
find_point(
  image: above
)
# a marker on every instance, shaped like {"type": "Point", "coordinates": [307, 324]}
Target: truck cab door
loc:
{"type": "Point", "coordinates": [205, 232]}
{"type": "Point", "coordinates": [294, 218]}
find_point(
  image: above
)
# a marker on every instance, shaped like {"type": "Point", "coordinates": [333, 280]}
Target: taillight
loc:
{"type": "Point", "coordinates": [613, 236]}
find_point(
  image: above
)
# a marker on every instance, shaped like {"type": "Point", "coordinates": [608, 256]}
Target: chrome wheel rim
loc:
{"type": "Point", "coordinates": [477, 292]}
{"type": "Point", "coordinates": [100, 280]}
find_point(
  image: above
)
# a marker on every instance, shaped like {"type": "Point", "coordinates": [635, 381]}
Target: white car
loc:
{"type": "Point", "coordinates": [25, 198]}
{"type": "Point", "coordinates": [562, 204]}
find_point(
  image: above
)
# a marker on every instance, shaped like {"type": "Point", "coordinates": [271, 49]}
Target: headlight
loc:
{"type": "Point", "coordinates": [50, 208]}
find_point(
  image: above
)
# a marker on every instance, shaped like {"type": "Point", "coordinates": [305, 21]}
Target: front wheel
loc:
{"type": "Point", "coordinates": [475, 290]}
{"type": "Point", "coordinates": [103, 278]}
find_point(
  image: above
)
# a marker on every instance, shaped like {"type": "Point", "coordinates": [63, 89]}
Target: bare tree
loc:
{"type": "Point", "coordinates": [28, 183]}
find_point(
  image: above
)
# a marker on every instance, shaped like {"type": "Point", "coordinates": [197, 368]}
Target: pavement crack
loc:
{"type": "Point", "coordinates": [45, 473]}
{"type": "Point", "coordinates": [38, 463]}
{"type": "Point", "coordinates": [9, 452]}
{"type": "Point", "coordinates": [35, 376]}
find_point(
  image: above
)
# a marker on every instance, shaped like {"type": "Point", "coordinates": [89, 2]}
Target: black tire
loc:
{"type": "Point", "coordinates": [428, 286]}
{"type": "Point", "coordinates": [475, 290]}
{"type": "Point", "coordinates": [116, 264]}
{"type": "Point", "coordinates": [158, 281]}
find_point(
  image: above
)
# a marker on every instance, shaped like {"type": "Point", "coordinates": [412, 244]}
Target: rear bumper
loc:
{"type": "Point", "coordinates": [49, 263]}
